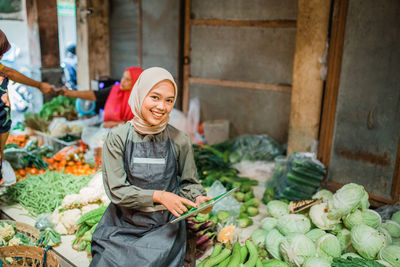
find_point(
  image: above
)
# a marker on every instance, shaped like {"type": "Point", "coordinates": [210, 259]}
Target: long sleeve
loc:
{"type": "Point", "coordinates": [114, 175]}
{"type": "Point", "coordinates": [190, 187]}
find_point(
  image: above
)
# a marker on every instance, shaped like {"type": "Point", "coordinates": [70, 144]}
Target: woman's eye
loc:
{"type": "Point", "coordinates": [169, 100]}
{"type": "Point", "coordinates": [154, 97]}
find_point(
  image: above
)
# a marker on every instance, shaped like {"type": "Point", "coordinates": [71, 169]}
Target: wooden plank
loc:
{"type": "Point", "coordinates": [375, 200]}
{"type": "Point", "coordinates": [186, 58]}
{"type": "Point", "coordinates": [396, 177]}
{"type": "Point", "coordinates": [332, 80]}
{"type": "Point", "coordinates": [181, 37]}
{"type": "Point", "coordinates": [140, 34]}
{"type": "Point", "coordinates": [246, 23]}
{"type": "Point", "coordinates": [251, 85]}
{"type": "Point", "coordinates": [33, 36]}
{"type": "Point", "coordinates": [312, 28]}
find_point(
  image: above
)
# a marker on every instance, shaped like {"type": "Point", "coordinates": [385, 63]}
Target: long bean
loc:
{"type": "Point", "coordinates": [43, 193]}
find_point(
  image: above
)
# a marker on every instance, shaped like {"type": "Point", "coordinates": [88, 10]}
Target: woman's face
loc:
{"type": "Point", "coordinates": [158, 103]}
{"type": "Point", "coordinates": [126, 81]}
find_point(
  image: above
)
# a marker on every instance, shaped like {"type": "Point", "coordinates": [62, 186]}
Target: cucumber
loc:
{"type": "Point", "coordinates": [217, 249]}
{"type": "Point", "coordinates": [310, 166]}
{"type": "Point", "coordinates": [300, 187]}
{"type": "Point", "coordinates": [293, 177]}
{"type": "Point", "coordinates": [243, 253]}
{"type": "Point", "coordinates": [235, 258]}
{"type": "Point", "coordinates": [253, 254]}
{"type": "Point", "coordinates": [219, 258]}
{"type": "Point", "coordinates": [299, 171]}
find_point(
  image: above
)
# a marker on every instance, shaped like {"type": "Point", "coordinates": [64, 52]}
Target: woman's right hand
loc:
{"type": "Point", "coordinates": [174, 203]}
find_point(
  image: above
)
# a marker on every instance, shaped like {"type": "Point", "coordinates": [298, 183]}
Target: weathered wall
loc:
{"type": "Point", "coordinates": [160, 27]}
{"type": "Point", "coordinates": [247, 54]}
{"type": "Point", "coordinates": [367, 123]}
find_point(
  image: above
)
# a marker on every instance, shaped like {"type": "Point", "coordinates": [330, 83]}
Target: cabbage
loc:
{"type": "Point", "coordinates": [328, 247]}
{"type": "Point", "coordinates": [364, 203]}
{"type": "Point", "coordinates": [277, 208]}
{"type": "Point", "coordinates": [396, 217]}
{"type": "Point", "coordinates": [347, 199]}
{"type": "Point", "coordinates": [387, 235]}
{"type": "Point", "coordinates": [367, 241]}
{"type": "Point", "coordinates": [316, 262]}
{"type": "Point", "coordinates": [272, 242]}
{"type": "Point", "coordinates": [326, 195]}
{"type": "Point", "coordinates": [371, 218]}
{"type": "Point", "coordinates": [296, 248]}
{"type": "Point", "coordinates": [293, 223]}
{"type": "Point", "coordinates": [352, 219]}
{"type": "Point", "coordinates": [274, 263]}
{"type": "Point", "coordinates": [392, 227]}
{"type": "Point", "coordinates": [390, 254]}
{"type": "Point", "coordinates": [384, 263]}
{"type": "Point", "coordinates": [396, 241]}
{"type": "Point", "coordinates": [258, 237]}
{"type": "Point", "coordinates": [268, 223]}
{"type": "Point", "coordinates": [344, 237]}
{"type": "Point", "coordinates": [314, 234]}
{"type": "Point", "coordinates": [350, 254]}
{"type": "Point", "coordinates": [319, 217]}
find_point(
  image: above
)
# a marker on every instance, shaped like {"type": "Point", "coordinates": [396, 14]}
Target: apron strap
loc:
{"type": "Point", "coordinates": [152, 209]}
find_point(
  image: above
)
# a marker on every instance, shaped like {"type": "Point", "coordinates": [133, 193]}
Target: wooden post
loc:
{"type": "Point", "coordinates": [140, 33]}
{"type": "Point", "coordinates": [186, 58]}
{"type": "Point", "coordinates": [307, 88]}
{"type": "Point", "coordinates": [93, 41]}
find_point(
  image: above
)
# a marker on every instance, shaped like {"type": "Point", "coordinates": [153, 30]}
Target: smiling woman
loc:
{"type": "Point", "coordinates": [150, 176]}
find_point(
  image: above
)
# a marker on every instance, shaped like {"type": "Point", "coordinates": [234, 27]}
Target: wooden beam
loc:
{"type": "Point", "coordinates": [246, 23]}
{"type": "Point", "coordinates": [186, 58]}
{"type": "Point", "coordinates": [332, 80]}
{"type": "Point", "coordinates": [250, 85]}
{"type": "Point", "coordinates": [396, 177]}
{"type": "Point", "coordinates": [306, 101]}
{"type": "Point", "coordinates": [33, 33]}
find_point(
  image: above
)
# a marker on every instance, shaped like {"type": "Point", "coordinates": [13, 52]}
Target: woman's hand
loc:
{"type": "Point", "coordinates": [174, 203]}
{"type": "Point", "coordinates": [200, 200]}
{"type": "Point", "coordinates": [46, 88]}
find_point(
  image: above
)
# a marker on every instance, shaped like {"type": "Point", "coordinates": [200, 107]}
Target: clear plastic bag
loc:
{"type": "Point", "coordinates": [255, 147]}
{"type": "Point", "coordinates": [44, 221]}
{"type": "Point", "coordinates": [387, 211]}
{"type": "Point", "coordinates": [94, 136]}
{"type": "Point", "coordinates": [229, 204]}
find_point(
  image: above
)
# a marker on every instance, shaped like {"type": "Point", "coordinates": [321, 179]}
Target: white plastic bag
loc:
{"type": "Point", "coordinates": [229, 204]}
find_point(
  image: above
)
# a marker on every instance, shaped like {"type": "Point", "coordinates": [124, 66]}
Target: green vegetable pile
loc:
{"type": "Point", "coordinates": [59, 106]}
{"type": "Point", "coordinates": [48, 237]}
{"type": "Point", "coordinates": [87, 224]}
{"type": "Point", "coordinates": [9, 236]}
{"type": "Point", "coordinates": [43, 193]}
{"type": "Point", "coordinates": [21, 158]}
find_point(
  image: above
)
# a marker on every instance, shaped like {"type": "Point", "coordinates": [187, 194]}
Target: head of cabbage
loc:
{"type": "Point", "coordinates": [315, 261]}
{"type": "Point", "coordinates": [296, 248]}
{"type": "Point", "coordinates": [390, 254]}
{"type": "Point", "coordinates": [344, 237]}
{"type": "Point", "coordinates": [273, 241]}
{"type": "Point", "coordinates": [277, 208]}
{"type": "Point", "coordinates": [315, 233]}
{"type": "Point", "coordinates": [396, 217]}
{"type": "Point", "coordinates": [293, 223]}
{"type": "Point", "coordinates": [367, 241]}
{"type": "Point", "coordinates": [268, 223]}
{"type": "Point", "coordinates": [328, 247]}
{"type": "Point", "coordinates": [324, 194]}
{"type": "Point", "coordinates": [392, 227]}
{"type": "Point", "coordinates": [319, 217]}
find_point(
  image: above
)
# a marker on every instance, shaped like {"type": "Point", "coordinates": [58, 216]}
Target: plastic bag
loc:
{"type": "Point", "coordinates": [259, 170]}
{"type": "Point", "coordinates": [229, 204]}
{"type": "Point", "coordinates": [255, 147]}
{"type": "Point", "coordinates": [94, 136]}
{"type": "Point", "coordinates": [44, 221]}
{"type": "Point", "coordinates": [387, 211]}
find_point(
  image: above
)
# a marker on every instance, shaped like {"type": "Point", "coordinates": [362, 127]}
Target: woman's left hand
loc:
{"type": "Point", "coordinates": [200, 200]}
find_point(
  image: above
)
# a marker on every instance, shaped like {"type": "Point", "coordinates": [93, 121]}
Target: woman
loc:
{"type": "Point", "coordinates": [113, 100]}
{"type": "Point", "coordinates": [150, 176]}
{"type": "Point", "coordinates": [7, 73]}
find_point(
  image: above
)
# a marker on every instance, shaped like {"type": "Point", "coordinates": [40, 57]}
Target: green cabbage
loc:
{"type": "Point", "coordinates": [347, 199]}
{"type": "Point", "coordinates": [268, 223]}
{"type": "Point", "coordinates": [316, 262]}
{"type": "Point", "coordinates": [387, 235]}
{"type": "Point", "coordinates": [326, 195]}
{"type": "Point", "coordinates": [371, 218]}
{"type": "Point", "coordinates": [344, 237]}
{"type": "Point", "coordinates": [272, 243]}
{"type": "Point", "coordinates": [277, 208]}
{"type": "Point", "coordinates": [258, 237]}
{"type": "Point", "coordinates": [296, 248]}
{"type": "Point", "coordinates": [396, 241]}
{"type": "Point", "coordinates": [350, 254]}
{"type": "Point", "coordinates": [293, 223]}
{"type": "Point", "coordinates": [328, 247]}
{"type": "Point", "coordinates": [392, 227]}
{"type": "Point", "coordinates": [367, 241]}
{"type": "Point", "coordinates": [396, 217]}
{"type": "Point", "coordinates": [384, 263]}
{"type": "Point", "coordinates": [352, 219]}
{"type": "Point", "coordinates": [390, 254]}
{"type": "Point", "coordinates": [315, 233]}
{"type": "Point", "coordinates": [274, 263]}
{"type": "Point", "coordinates": [319, 217]}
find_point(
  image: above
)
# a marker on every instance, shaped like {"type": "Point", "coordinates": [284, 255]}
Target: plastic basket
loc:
{"type": "Point", "coordinates": [27, 256]}
{"type": "Point", "coordinates": [53, 141]}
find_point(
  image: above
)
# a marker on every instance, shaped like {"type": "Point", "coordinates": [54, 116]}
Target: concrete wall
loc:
{"type": "Point", "coordinates": [367, 123]}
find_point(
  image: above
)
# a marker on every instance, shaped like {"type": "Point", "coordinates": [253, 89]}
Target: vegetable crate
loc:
{"type": "Point", "coordinates": [27, 256]}
{"type": "Point", "coordinates": [26, 229]}
{"type": "Point", "coordinates": [53, 141]}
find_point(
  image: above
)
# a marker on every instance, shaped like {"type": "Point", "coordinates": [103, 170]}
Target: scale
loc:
{"type": "Point", "coordinates": [205, 206]}
{"type": "Point", "coordinates": [85, 107]}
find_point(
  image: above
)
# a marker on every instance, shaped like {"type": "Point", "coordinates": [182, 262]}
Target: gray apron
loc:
{"type": "Point", "coordinates": [132, 237]}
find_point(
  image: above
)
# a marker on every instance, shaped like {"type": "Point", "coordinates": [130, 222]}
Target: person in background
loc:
{"type": "Point", "coordinates": [150, 176]}
{"type": "Point", "coordinates": [6, 74]}
{"type": "Point", "coordinates": [114, 100]}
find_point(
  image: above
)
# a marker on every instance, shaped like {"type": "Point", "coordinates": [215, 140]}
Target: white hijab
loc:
{"type": "Point", "coordinates": [146, 81]}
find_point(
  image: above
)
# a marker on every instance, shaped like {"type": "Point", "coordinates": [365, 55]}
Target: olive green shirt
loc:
{"type": "Point", "coordinates": [124, 194]}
